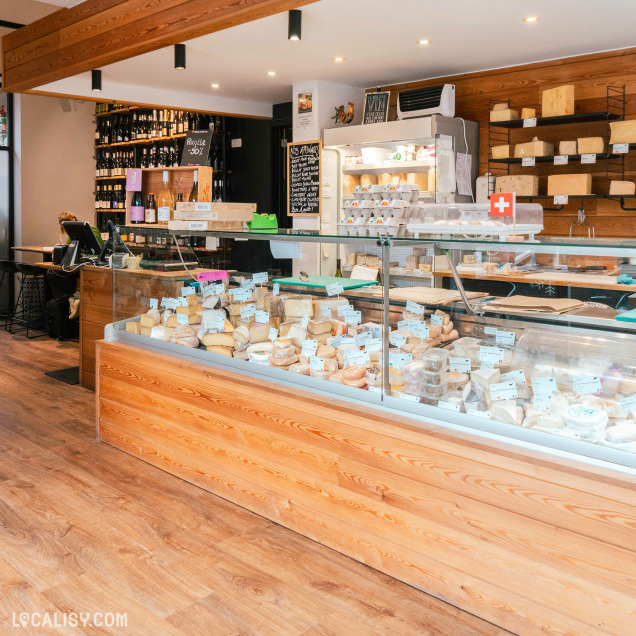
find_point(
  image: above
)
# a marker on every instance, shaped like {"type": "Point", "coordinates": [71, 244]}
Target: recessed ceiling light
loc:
{"type": "Point", "coordinates": [532, 18]}
{"type": "Point", "coordinates": [423, 42]}
{"type": "Point", "coordinates": [215, 85]}
{"type": "Point", "coordinates": [339, 59]}
{"type": "Point", "coordinates": [271, 73]}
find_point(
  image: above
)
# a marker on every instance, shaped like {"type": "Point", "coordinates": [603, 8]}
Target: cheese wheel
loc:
{"type": "Point", "coordinates": [133, 327]}
{"type": "Point", "coordinates": [299, 367]}
{"type": "Point", "coordinates": [241, 355]}
{"type": "Point", "coordinates": [336, 377]}
{"type": "Point", "coordinates": [284, 352]}
{"type": "Point", "coordinates": [356, 372]}
{"type": "Point", "coordinates": [223, 351]}
{"type": "Point", "coordinates": [453, 335]}
{"type": "Point", "coordinates": [325, 351]}
{"type": "Point", "coordinates": [282, 343]}
{"type": "Point", "coordinates": [241, 334]}
{"type": "Point", "coordinates": [359, 384]}
{"type": "Point", "coordinates": [187, 341]}
{"type": "Point", "coordinates": [368, 179]}
{"type": "Point", "coordinates": [260, 347]}
{"type": "Point", "coordinates": [284, 362]}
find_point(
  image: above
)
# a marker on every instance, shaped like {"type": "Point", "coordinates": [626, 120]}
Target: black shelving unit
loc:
{"type": "Point", "coordinates": [550, 159]}
{"type": "Point", "coordinates": [577, 118]}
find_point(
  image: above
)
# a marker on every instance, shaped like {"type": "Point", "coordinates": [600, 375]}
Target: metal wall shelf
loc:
{"type": "Point", "coordinates": [577, 118]}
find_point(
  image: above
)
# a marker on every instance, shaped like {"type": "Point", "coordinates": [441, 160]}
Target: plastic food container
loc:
{"type": "Point", "coordinates": [416, 371]}
{"type": "Point", "coordinates": [435, 360]}
{"type": "Point", "coordinates": [423, 389]}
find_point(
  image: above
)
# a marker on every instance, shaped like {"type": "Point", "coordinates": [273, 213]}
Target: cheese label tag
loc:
{"type": "Point", "coordinates": [506, 338]}
{"type": "Point", "coordinates": [209, 290]}
{"type": "Point", "coordinates": [620, 149]}
{"type": "Point", "coordinates": [588, 158]}
{"type": "Point", "coordinates": [374, 344]}
{"type": "Point", "coordinates": [335, 289]}
{"type": "Point", "coordinates": [542, 402]}
{"type": "Point", "coordinates": [544, 386]}
{"type": "Point", "coordinates": [483, 414]}
{"type": "Point", "coordinates": [260, 278]}
{"type": "Point", "coordinates": [531, 122]}
{"type": "Point", "coordinates": [154, 303]}
{"type": "Point", "coordinates": [396, 360]}
{"type": "Point", "coordinates": [357, 357]}
{"type": "Point", "coordinates": [628, 404]}
{"type": "Point", "coordinates": [490, 331]}
{"type": "Point", "coordinates": [528, 161]}
{"type": "Point", "coordinates": [560, 160]}
{"type": "Point", "coordinates": [188, 291]}
{"type": "Point", "coordinates": [273, 333]}
{"type": "Point", "coordinates": [585, 384]}
{"type": "Point", "coordinates": [219, 288]}
{"type": "Point", "coordinates": [172, 303]}
{"type": "Point", "coordinates": [409, 398]}
{"type": "Point", "coordinates": [248, 311]}
{"type": "Point", "coordinates": [316, 364]}
{"type": "Point", "coordinates": [491, 355]}
{"type": "Point", "coordinates": [459, 365]}
{"type": "Point", "coordinates": [164, 302]}
{"type": "Point", "coordinates": [182, 302]}
{"type": "Point", "coordinates": [517, 376]}
{"type": "Point", "coordinates": [352, 317]}
{"type": "Point", "coordinates": [309, 347]}
{"type": "Point", "coordinates": [305, 321]}
{"type": "Point", "coordinates": [325, 311]}
{"type": "Point", "coordinates": [347, 340]}
{"type": "Point", "coordinates": [420, 329]}
{"type": "Point", "coordinates": [341, 309]}
{"type": "Point", "coordinates": [449, 406]}
{"type": "Point", "coordinates": [362, 338]}
{"type": "Point", "coordinates": [487, 365]}
{"type": "Point", "coordinates": [262, 316]}
{"type": "Point", "coordinates": [437, 320]}
{"type": "Point", "coordinates": [182, 319]}
{"type": "Point", "coordinates": [211, 320]}
{"type": "Point", "coordinates": [275, 289]}
{"type": "Point", "coordinates": [561, 199]}
{"type": "Point", "coordinates": [248, 283]}
{"type": "Point", "coordinates": [198, 226]}
{"type": "Point", "coordinates": [335, 341]}
{"type": "Point", "coordinates": [398, 339]}
{"type": "Point", "coordinates": [503, 391]}
{"type": "Point", "coordinates": [403, 325]}
{"type": "Point", "coordinates": [414, 308]}
{"type": "Point", "coordinates": [241, 295]}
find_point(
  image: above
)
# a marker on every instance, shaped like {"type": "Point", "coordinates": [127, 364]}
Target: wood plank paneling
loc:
{"type": "Point", "coordinates": [590, 74]}
{"type": "Point", "coordinates": [523, 543]}
{"type": "Point", "coordinates": [73, 41]}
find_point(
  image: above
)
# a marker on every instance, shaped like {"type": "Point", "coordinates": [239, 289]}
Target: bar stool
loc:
{"type": "Point", "coordinates": [29, 308]}
{"type": "Point", "coordinates": [7, 272]}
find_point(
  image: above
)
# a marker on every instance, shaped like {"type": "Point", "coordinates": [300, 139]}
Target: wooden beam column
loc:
{"type": "Point", "coordinates": [100, 32]}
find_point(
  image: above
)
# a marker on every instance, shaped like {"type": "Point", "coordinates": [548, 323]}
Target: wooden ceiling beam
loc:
{"type": "Point", "coordinates": [96, 33]}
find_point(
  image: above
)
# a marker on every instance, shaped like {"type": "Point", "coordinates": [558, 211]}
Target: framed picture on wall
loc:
{"type": "Point", "coordinates": [376, 107]}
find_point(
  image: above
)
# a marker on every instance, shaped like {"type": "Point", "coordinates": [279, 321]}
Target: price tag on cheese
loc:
{"type": "Point", "coordinates": [276, 289]}
{"type": "Point", "coordinates": [491, 331]}
{"type": "Point", "coordinates": [154, 303]}
{"type": "Point", "coordinates": [260, 278]}
{"type": "Point", "coordinates": [487, 365]}
{"type": "Point", "coordinates": [309, 347]}
{"type": "Point", "coordinates": [182, 302]}
{"type": "Point", "coordinates": [188, 291]}
{"type": "Point", "coordinates": [362, 338]}
{"type": "Point", "coordinates": [212, 320]}
{"type": "Point", "coordinates": [437, 320]}
{"type": "Point", "coordinates": [560, 199]}
{"type": "Point", "coordinates": [396, 360]}
{"type": "Point", "coordinates": [304, 321]}
{"type": "Point", "coordinates": [586, 384]}
{"type": "Point", "coordinates": [528, 161]}
{"type": "Point", "coordinates": [517, 376]}
{"type": "Point", "coordinates": [261, 317]}
{"type": "Point", "coordinates": [335, 289]}
{"type": "Point", "coordinates": [485, 415]}
{"type": "Point", "coordinates": [414, 308]}
{"type": "Point", "coordinates": [219, 288]}
{"type": "Point", "coordinates": [404, 325]}
{"type": "Point", "coordinates": [459, 365]}
{"type": "Point", "coordinates": [560, 160]}
{"type": "Point", "coordinates": [316, 364]}
{"type": "Point", "coordinates": [398, 339]}
{"type": "Point", "coordinates": [491, 355]}
{"type": "Point", "coordinates": [240, 295]}
{"type": "Point", "coordinates": [503, 391]}
{"type": "Point", "coordinates": [273, 333]}
{"type": "Point", "coordinates": [419, 329]}
{"type": "Point", "coordinates": [248, 311]}
{"type": "Point", "coordinates": [408, 397]}
{"type": "Point", "coordinates": [620, 149]}
{"type": "Point", "coordinates": [357, 357]}
{"type": "Point", "coordinates": [588, 158]}
{"type": "Point", "coordinates": [208, 290]}
{"type": "Point", "coordinates": [506, 338]}
{"type": "Point", "coordinates": [172, 303]}
{"type": "Point", "coordinates": [164, 302]}
{"type": "Point", "coordinates": [449, 406]}
{"type": "Point", "coordinates": [352, 317]}
{"type": "Point", "coordinates": [531, 122]}
{"type": "Point", "coordinates": [374, 344]}
{"type": "Point", "coordinates": [182, 319]}
{"type": "Point", "coordinates": [247, 283]}
{"type": "Point", "coordinates": [628, 404]}
{"type": "Point", "coordinates": [544, 386]}
{"type": "Point", "coordinates": [341, 309]}
{"type": "Point", "coordinates": [347, 340]}
{"type": "Point", "coordinates": [335, 341]}
{"type": "Point", "coordinates": [542, 402]}
{"type": "Point", "coordinates": [325, 311]}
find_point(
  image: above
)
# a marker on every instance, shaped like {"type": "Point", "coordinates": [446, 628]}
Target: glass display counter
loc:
{"type": "Point", "coordinates": [530, 341]}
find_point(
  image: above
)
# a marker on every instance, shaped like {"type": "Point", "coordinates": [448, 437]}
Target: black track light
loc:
{"type": "Point", "coordinates": [96, 80]}
{"type": "Point", "coordinates": [295, 25]}
{"type": "Point", "coordinates": [179, 56]}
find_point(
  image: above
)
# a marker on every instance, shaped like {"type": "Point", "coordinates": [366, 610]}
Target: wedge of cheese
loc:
{"type": "Point", "coordinates": [190, 310]}
{"type": "Point", "coordinates": [621, 187]}
{"type": "Point", "coordinates": [319, 326]}
{"type": "Point", "coordinates": [570, 184]}
{"type": "Point", "coordinates": [505, 114]}
{"type": "Point", "coordinates": [241, 334]}
{"type": "Point", "coordinates": [133, 326]}
{"type": "Point", "coordinates": [623, 132]}
{"type": "Point", "coordinates": [528, 113]}
{"type": "Point", "coordinates": [259, 332]}
{"type": "Point", "coordinates": [567, 148]}
{"type": "Point", "coordinates": [590, 145]}
{"type": "Point", "coordinates": [220, 350]}
{"type": "Point", "coordinates": [485, 378]}
{"type": "Point", "coordinates": [218, 339]}
{"type": "Point", "coordinates": [299, 306]}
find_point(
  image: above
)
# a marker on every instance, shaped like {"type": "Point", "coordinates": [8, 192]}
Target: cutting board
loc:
{"type": "Point", "coordinates": [531, 303]}
{"type": "Point", "coordinates": [323, 281]}
{"type": "Point", "coordinates": [628, 316]}
{"type": "Point", "coordinates": [427, 295]}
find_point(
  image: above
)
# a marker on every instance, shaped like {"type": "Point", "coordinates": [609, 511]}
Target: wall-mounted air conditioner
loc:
{"type": "Point", "coordinates": [431, 100]}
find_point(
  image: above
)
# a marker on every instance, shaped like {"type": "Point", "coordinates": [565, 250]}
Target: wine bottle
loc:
{"type": "Point", "coordinates": [137, 210]}
{"type": "Point", "coordinates": [338, 271]}
{"type": "Point", "coordinates": [180, 197]}
{"type": "Point", "coordinates": [165, 203]}
{"type": "Point", "coordinates": [151, 209]}
{"type": "Point", "coordinates": [194, 194]}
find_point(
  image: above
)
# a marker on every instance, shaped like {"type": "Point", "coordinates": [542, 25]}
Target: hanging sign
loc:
{"type": "Point", "coordinates": [303, 186]}
{"type": "Point", "coordinates": [376, 108]}
{"type": "Point", "coordinates": [196, 148]}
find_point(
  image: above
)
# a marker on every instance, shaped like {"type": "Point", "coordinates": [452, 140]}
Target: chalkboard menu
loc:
{"type": "Point", "coordinates": [376, 108]}
{"type": "Point", "coordinates": [196, 148]}
{"type": "Point", "coordinates": [303, 185]}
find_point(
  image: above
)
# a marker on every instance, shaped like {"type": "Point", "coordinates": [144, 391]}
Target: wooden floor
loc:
{"type": "Point", "coordinates": [87, 528]}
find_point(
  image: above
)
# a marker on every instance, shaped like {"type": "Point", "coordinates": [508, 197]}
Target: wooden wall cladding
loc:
{"type": "Point", "coordinates": [95, 33]}
{"type": "Point", "coordinates": [590, 74]}
{"type": "Point", "coordinates": [529, 544]}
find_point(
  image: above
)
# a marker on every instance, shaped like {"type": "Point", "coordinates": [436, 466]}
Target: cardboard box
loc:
{"type": "Point", "coordinates": [570, 184]}
{"type": "Point", "coordinates": [522, 185]}
{"type": "Point", "coordinates": [558, 101]}
{"type": "Point", "coordinates": [507, 114]}
{"type": "Point", "coordinates": [534, 148]}
{"type": "Point", "coordinates": [590, 145]}
{"type": "Point", "coordinates": [501, 152]}
{"type": "Point", "coordinates": [622, 187]}
{"type": "Point", "coordinates": [623, 132]}
{"type": "Point", "coordinates": [567, 148]}
{"type": "Point", "coordinates": [204, 226]}
{"type": "Point", "coordinates": [214, 211]}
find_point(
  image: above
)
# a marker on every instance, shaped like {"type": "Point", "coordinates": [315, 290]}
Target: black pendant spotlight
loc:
{"type": "Point", "coordinates": [295, 25]}
{"type": "Point", "coordinates": [96, 80]}
{"type": "Point", "coordinates": [179, 56]}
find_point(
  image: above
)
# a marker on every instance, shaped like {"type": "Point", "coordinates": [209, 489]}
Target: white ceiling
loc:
{"type": "Point", "coordinates": [378, 39]}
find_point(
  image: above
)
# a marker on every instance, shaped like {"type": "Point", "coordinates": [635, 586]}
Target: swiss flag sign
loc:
{"type": "Point", "coordinates": [503, 204]}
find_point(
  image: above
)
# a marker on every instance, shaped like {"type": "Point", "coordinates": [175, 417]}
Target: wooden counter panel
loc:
{"type": "Point", "coordinates": [96, 315]}
{"type": "Point", "coordinates": [453, 517]}
{"type": "Point", "coordinates": [87, 379]}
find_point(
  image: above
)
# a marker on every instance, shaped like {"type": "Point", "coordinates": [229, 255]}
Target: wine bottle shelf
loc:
{"type": "Point", "coordinates": [112, 210]}
{"type": "Point", "coordinates": [118, 111]}
{"type": "Point", "coordinates": [140, 141]}
{"type": "Point", "coordinates": [108, 178]}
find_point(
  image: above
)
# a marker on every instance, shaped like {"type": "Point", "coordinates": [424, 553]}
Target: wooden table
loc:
{"type": "Point", "coordinates": [47, 251]}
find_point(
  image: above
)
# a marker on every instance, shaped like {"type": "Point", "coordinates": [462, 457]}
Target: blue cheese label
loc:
{"type": "Point", "coordinates": [449, 406]}
{"type": "Point", "coordinates": [628, 404]}
{"type": "Point", "coordinates": [182, 319]}
{"type": "Point", "coordinates": [517, 376]}
{"type": "Point", "coordinates": [375, 344]}
{"type": "Point", "coordinates": [316, 364]}
{"type": "Point", "coordinates": [362, 338]}
{"type": "Point", "coordinates": [506, 338]}
{"type": "Point", "coordinates": [491, 355]}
